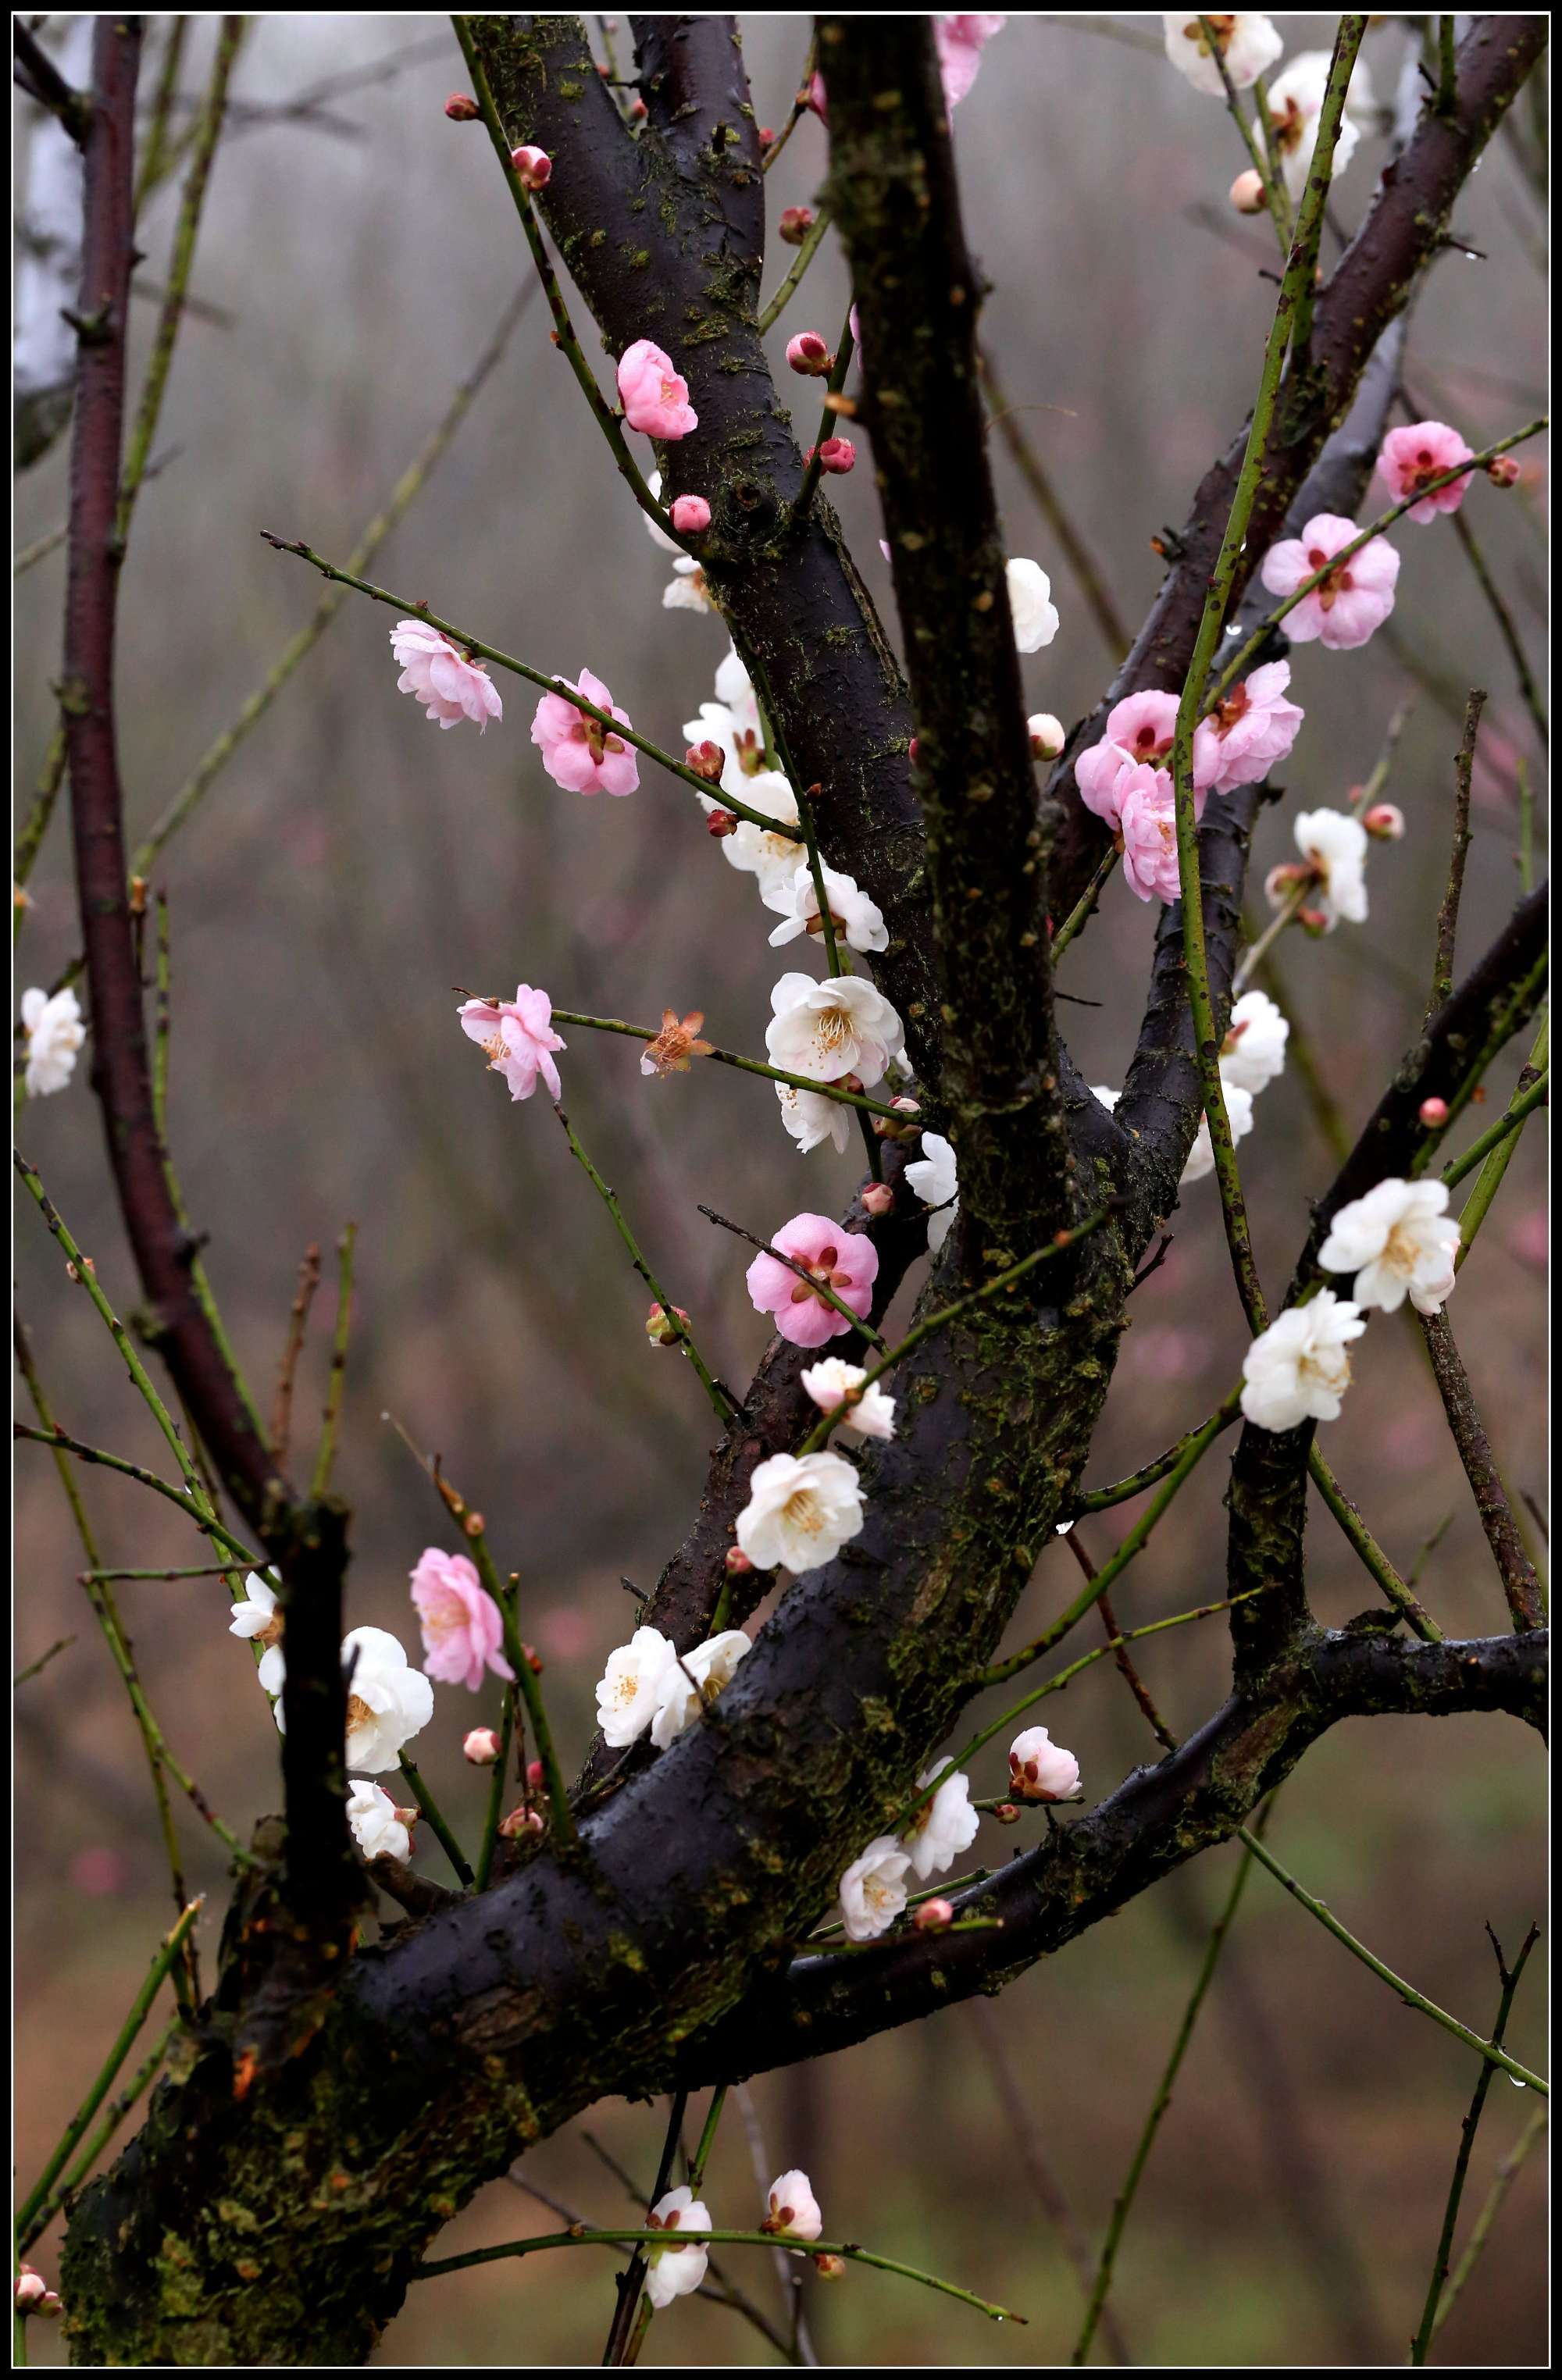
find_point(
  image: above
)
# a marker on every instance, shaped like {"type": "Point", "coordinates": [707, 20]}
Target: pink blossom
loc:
{"type": "Point", "coordinates": [689, 515]}
{"type": "Point", "coordinates": [1148, 826]}
{"type": "Point", "coordinates": [795, 223]}
{"type": "Point", "coordinates": [1249, 733]}
{"type": "Point", "coordinates": [654, 396]}
{"type": "Point", "coordinates": [1423, 452]}
{"type": "Point", "coordinates": [450, 687]}
{"type": "Point", "coordinates": [808, 354]}
{"type": "Point", "coordinates": [834, 455]}
{"type": "Point", "coordinates": [578, 752]}
{"type": "Point", "coordinates": [847, 1261]}
{"type": "Point", "coordinates": [534, 167]}
{"type": "Point", "coordinates": [816, 98]}
{"type": "Point", "coordinates": [960, 42]}
{"type": "Point", "coordinates": [1140, 730]}
{"type": "Point", "coordinates": [462, 1630]}
{"type": "Point", "coordinates": [1346, 607]}
{"type": "Point", "coordinates": [519, 1036]}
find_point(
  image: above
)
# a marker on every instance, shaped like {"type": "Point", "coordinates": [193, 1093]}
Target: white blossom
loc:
{"type": "Point", "coordinates": [676, 2272]}
{"type": "Point", "coordinates": [1296, 100]}
{"type": "Point", "coordinates": [1249, 43]}
{"type": "Point", "coordinates": [658, 535]}
{"type": "Point", "coordinates": [376, 1829]}
{"type": "Point", "coordinates": [685, 590]}
{"type": "Point", "coordinates": [1335, 844]}
{"type": "Point", "coordinates": [1238, 1115]}
{"type": "Point", "coordinates": [1400, 1240]}
{"type": "Point", "coordinates": [1253, 1053]}
{"type": "Point", "coordinates": [831, 1381]}
{"type": "Point", "coordinates": [1040, 1770]}
{"type": "Point", "coordinates": [794, 2210]}
{"type": "Point", "coordinates": [54, 1033]}
{"type": "Point", "coordinates": [388, 1701]}
{"type": "Point", "coordinates": [1031, 605]}
{"type": "Point", "coordinates": [1046, 733]}
{"type": "Point", "coordinates": [935, 1178]}
{"type": "Point", "coordinates": [258, 1616]}
{"type": "Point", "coordinates": [629, 1690]}
{"type": "Point", "coordinates": [873, 1891]}
{"type": "Point", "coordinates": [810, 1117]}
{"type": "Point", "coordinates": [944, 1826]}
{"type": "Point", "coordinates": [826, 1030]}
{"type": "Point", "coordinates": [856, 916]}
{"type": "Point", "coordinates": [801, 1510]}
{"type": "Point", "coordinates": [1299, 1369]}
{"type": "Point", "coordinates": [695, 1677]}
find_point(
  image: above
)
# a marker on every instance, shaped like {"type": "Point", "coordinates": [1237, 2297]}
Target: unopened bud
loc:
{"type": "Point", "coordinates": [1281, 882]}
{"type": "Point", "coordinates": [463, 108]}
{"type": "Point", "coordinates": [914, 751]}
{"type": "Point", "coordinates": [1434, 1113]}
{"type": "Point", "coordinates": [532, 167]}
{"type": "Point", "coordinates": [522, 1822]}
{"type": "Point", "coordinates": [829, 2268]}
{"type": "Point", "coordinates": [1046, 735]}
{"type": "Point", "coordinates": [1387, 820]}
{"type": "Point", "coordinates": [838, 454]}
{"type": "Point", "coordinates": [878, 1199]}
{"type": "Point", "coordinates": [767, 136]}
{"type": "Point", "coordinates": [534, 1775]}
{"type": "Point", "coordinates": [30, 2291]}
{"type": "Point", "coordinates": [808, 354]}
{"type": "Point", "coordinates": [1503, 471]}
{"type": "Point", "coordinates": [738, 1562]}
{"type": "Point", "coordinates": [533, 1659]}
{"type": "Point", "coordinates": [721, 823]}
{"type": "Point", "coordinates": [887, 1130]}
{"type": "Point", "coordinates": [660, 1327]}
{"type": "Point", "coordinates": [1247, 194]}
{"type": "Point", "coordinates": [638, 111]}
{"type": "Point", "coordinates": [934, 1917]}
{"type": "Point", "coordinates": [1005, 1812]}
{"type": "Point", "coordinates": [795, 225]}
{"type": "Point", "coordinates": [474, 1524]}
{"type": "Point", "coordinates": [706, 760]}
{"type": "Point", "coordinates": [482, 1747]}
{"type": "Point", "coordinates": [691, 515]}
{"type": "Point", "coordinates": [1312, 921]}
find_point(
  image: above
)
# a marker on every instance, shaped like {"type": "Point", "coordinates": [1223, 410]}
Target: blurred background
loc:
{"type": "Point", "coordinates": [352, 864]}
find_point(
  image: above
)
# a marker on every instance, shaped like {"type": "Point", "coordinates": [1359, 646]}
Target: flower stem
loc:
{"type": "Point", "coordinates": [324, 1460]}
{"type": "Point", "coordinates": [770, 313]}
{"type": "Point", "coordinates": [1100, 1499]}
{"type": "Point", "coordinates": [1506, 2174]}
{"type": "Point", "coordinates": [1376, 1561]}
{"type": "Point", "coordinates": [1083, 906]}
{"type": "Point", "coordinates": [812, 467]}
{"type": "Point", "coordinates": [435, 1817]}
{"type": "Point", "coordinates": [62, 1442]}
{"type": "Point", "coordinates": [731, 1058]}
{"type": "Point", "coordinates": [1494, 1149]}
{"type": "Point", "coordinates": [1263, 161]}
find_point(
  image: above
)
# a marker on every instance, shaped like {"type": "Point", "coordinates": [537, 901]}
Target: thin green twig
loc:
{"type": "Point", "coordinates": [771, 312]}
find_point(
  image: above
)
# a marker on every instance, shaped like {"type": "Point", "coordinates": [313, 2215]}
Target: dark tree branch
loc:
{"type": "Point", "coordinates": [896, 200]}
{"type": "Point", "coordinates": [1267, 1501]}
{"type": "Point", "coordinates": [1519, 1584]}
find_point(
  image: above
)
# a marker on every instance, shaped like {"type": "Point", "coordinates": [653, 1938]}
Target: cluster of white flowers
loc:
{"type": "Point", "coordinates": [1252, 1057]}
{"type": "Point", "coordinates": [1400, 1242]}
{"type": "Point", "coordinates": [793, 2213]}
{"type": "Point", "coordinates": [1247, 45]}
{"type": "Point", "coordinates": [648, 1684]}
{"type": "Point", "coordinates": [388, 1701]}
{"type": "Point", "coordinates": [52, 1032]}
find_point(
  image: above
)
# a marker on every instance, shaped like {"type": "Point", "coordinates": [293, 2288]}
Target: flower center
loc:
{"type": "Point", "coordinates": [1338, 581]}
{"type": "Point", "coordinates": [1228, 712]}
{"type": "Point", "coordinates": [1221, 27]}
{"type": "Point", "coordinates": [597, 738]}
{"type": "Point", "coordinates": [1148, 746]}
{"type": "Point", "coordinates": [1401, 1251]}
{"type": "Point", "coordinates": [359, 1712]}
{"type": "Point", "coordinates": [802, 1510]}
{"type": "Point", "coordinates": [1288, 129]}
{"type": "Point", "coordinates": [750, 755]}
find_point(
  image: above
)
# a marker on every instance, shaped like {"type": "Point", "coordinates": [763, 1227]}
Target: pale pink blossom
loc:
{"type": "Point", "coordinates": [942, 1827]}
{"type": "Point", "coordinates": [1351, 602]}
{"type": "Point", "coordinates": [518, 1037]}
{"type": "Point", "coordinates": [1411, 458]}
{"type": "Point", "coordinates": [847, 1261]}
{"type": "Point", "coordinates": [534, 167]}
{"type": "Point", "coordinates": [1250, 730]}
{"type": "Point", "coordinates": [378, 1827]}
{"type": "Point", "coordinates": [1147, 822]}
{"type": "Point", "coordinates": [1249, 45]}
{"type": "Point", "coordinates": [1140, 733]}
{"type": "Point", "coordinates": [831, 1381]}
{"type": "Point", "coordinates": [578, 752]}
{"type": "Point", "coordinates": [691, 515]}
{"type": "Point", "coordinates": [481, 1746]}
{"type": "Point", "coordinates": [1040, 1770]}
{"type": "Point", "coordinates": [873, 1891]}
{"type": "Point", "coordinates": [450, 687]}
{"type": "Point", "coordinates": [462, 1629]}
{"type": "Point", "coordinates": [794, 2210]}
{"type": "Point", "coordinates": [960, 42]}
{"type": "Point", "coordinates": [1296, 101]}
{"type": "Point", "coordinates": [655, 398]}
{"type": "Point", "coordinates": [673, 2272]}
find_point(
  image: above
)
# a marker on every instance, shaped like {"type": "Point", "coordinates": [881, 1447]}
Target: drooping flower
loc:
{"type": "Point", "coordinates": [935, 1176]}
{"type": "Point", "coordinates": [1250, 45]}
{"type": "Point", "coordinates": [449, 686]}
{"type": "Point", "coordinates": [812, 1119]}
{"type": "Point", "coordinates": [943, 1827]}
{"type": "Point", "coordinates": [54, 1032]}
{"type": "Point", "coordinates": [1399, 1240]}
{"type": "Point", "coordinates": [873, 1891]}
{"type": "Point", "coordinates": [388, 1701]}
{"type": "Point", "coordinates": [960, 40]}
{"type": "Point", "coordinates": [1253, 1052]}
{"type": "Point", "coordinates": [801, 1510]}
{"type": "Point", "coordinates": [461, 1625]}
{"type": "Point", "coordinates": [1352, 601]}
{"type": "Point", "coordinates": [1250, 732]}
{"type": "Point", "coordinates": [258, 1617]}
{"type": "Point", "coordinates": [826, 1030]}
{"type": "Point", "coordinates": [1030, 604]}
{"type": "Point", "coordinates": [674, 1045]}
{"type": "Point", "coordinates": [630, 1688]}
{"type": "Point", "coordinates": [673, 2272]}
{"type": "Point", "coordinates": [1040, 1770]}
{"type": "Point", "coordinates": [847, 1261]}
{"type": "Point", "coordinates": [1147, 823]}
{"type": "Point", "coordinates": [377, 1828]}
{"type": "Point", "coordinates": [793, 2209]}
{"type": "Point", "coordinates": [692, 1678]}
{"type": "Point", "coordinates": [1299, 1369]}
{"type": "Point", "coordinates": [518, 1037]}
{"type": "Point", "coordinates": [856, 918]}
{"type": "Point", "coordinates": [1238, 1115]}
{"type": "Point", "coordinates": [578, 752]}
{"type": "Point", "coordinates": [1296, 100]}
{"type": "Point", "coordinates": [655, 398]}
{"type": "Point", "coordinates": [1413, 457]}
{"type": "Point", "coordinates": [1334, 847]}
{"type": "Point", "coordinates": [831, 1381]}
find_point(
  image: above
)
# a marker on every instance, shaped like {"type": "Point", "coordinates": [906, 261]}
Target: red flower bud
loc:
{"type": "Point", "coordinates": [878, 1199]}
{"type": "Point", "coordinates": [461, 108]}
{"type": "Point", "coordinates": [795, 225]}
{"type": "Point", "coordinates": [1433, 1112]}
{"type": "Point", "coordinates": [707, 761]}
{"type": "Point", "coordinates": [738, 1562]}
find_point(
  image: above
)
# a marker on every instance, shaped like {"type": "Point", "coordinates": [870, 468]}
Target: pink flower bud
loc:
{"type": "Point", "coordinates": [691, 515]}
{"type": "Point", "coordinates": [885, 1130]}
{"type": "Point", "coordinates": [814, 97]}
{"type": "Point", "coordinates": [532, 166]}
{"type": "Point", "coordinates": [1005, 1814]}
{"type": "Point", "coordinates": [738, 1562]}
{"type": "Point", "coordinates": [808, 355]}
{"type": "Point", "coordinates": [1385, 821]}
{"type": "Point", "coordinates": [914, 751]}
{"type": "Point", "coordinates": [934, 1917]}
{"type": "Point", "coordinates": [1282, 881]}
{"type": "Point", "coordinates": [706, 760]}
{"type": "Point", "coordinates": [1503, 471]}
{"type": "Point", "coordinates": [1433, 1112]}
{"type": "Point", "coordinates": [767, 136]}
{"type": "Point", "coordinates": [878, 1199]}
{"type": "Point", "coordinates": [660, 1328]}
{"type": "Point", "coordinates": [463, 108]}
{"type": "Point", "coordinates": [1247, 194]}
{"type": "Point", "coordinates": [1046, 735]}
{"type": "Point", "coordinates": [534, 1774]}
{"type": "Point", "coordinates": [836, 454]}
{"type": "Point", "coordinates": [795, 225]}
{"type": "Point", "coordinates": [30, 2291]}
{"type": "Point", "coordinates": [1312, 921]}
{"type": "Point", "coordinates": [522, 1822]}
{"type": "Point", "coordinates": [721, 823]}
{"type": "Point", "coordinates": [482, 1747]}
{"type": "Point", "coordinates": [638, 111]}
{"type": "Point", "coordinates": [829, 2268]}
